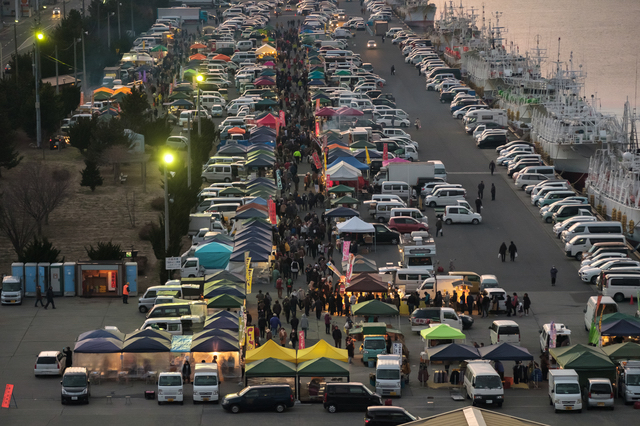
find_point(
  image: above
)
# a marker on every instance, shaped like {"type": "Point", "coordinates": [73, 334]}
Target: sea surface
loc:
{"type": "Point", "coordinates": [603, 35]}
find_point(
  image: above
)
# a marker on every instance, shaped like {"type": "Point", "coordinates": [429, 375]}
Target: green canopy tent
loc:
{"type": "Point", "coordinates": [442, 332]}
{"type": "Point", "coordinates": [159, 48]}
{"type": "Point", "coordinates": [362, 144]}
{"type": "Point", "coordinates": [231, 191]}
{"type": "Point", "coordinates": [317, 372]}
{"type": "Point", "coordinates": [345, 200]}
{"type": "Point", "coordinates": [268, 72]}
{"type": "Point", "coordinates": [587, 363]}
{"type": "Point", "coordinates": [340, 189]}
{"type": "Point", "coordinates": [269, 371]}
{"type": "Point", "coordinates": [179, 95]}
{"type": "Point", "coordinates": [225, 301]}
{"type": "Point", "coordinates": [622, 351]}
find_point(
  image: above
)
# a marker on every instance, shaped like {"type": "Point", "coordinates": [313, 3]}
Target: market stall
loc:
{"type": "Point", "coordinates": [441, 334]}
{"type": "Point", "coordinates": [270, 371]}
{"type": "Point", "coordinates": [320, 350]}
{"type": "Point", "coordinates": [226, 352]}
{"type": "Point", "coordinates": [588, 361]}
{"type": "Point", "coordinates": [270, 349]}
{"type": "Point", "coordinates": [314, 374]}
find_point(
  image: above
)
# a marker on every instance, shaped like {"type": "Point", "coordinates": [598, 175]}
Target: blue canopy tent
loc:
{"type": "Point", "coordinates": [224, 275]}
{"type": "Point", "coordinates": [146, 345]}
{"type": "Point", "coordinates": [452, 352]}
{"type": "Point", "coordinates": [351, 161]}
{"type": "Point", "coordinates": [256, 253]}
{"type": "Point", "coordinates": [102, 345]}
{"type": "Point", "coordinates": [260, 162]}
{"type": "Point", "coordinates": [249, 213]}
{"type": "Point", "coordinates": [362, 154]}
{"type": "Point", "coordinates": [262, 138]}
{"type": "Point", "coordinates": [223, 289]}
{"type": "Point", "coordinates": [232, 149]}
{"type": "Point", "coordinates": [258, 200]}
{"type": "Point", "coordinates": [505, 352]}
{"type": "Point", "coordinates": [254, 233]}
{"type": "Point", "coordinates": [101, 333]}
{"type": "Point", "coordinates": [217, 332]}
{"type": "Point", "coordinates": [341, 212]}
{"type": "Point", "coordinates": [224, 314]}
{"type": "Point", "coordinates": [214, 344]}
{"type": "Point", "coordinates": [150, 332]}
{"type": "Point", "coordinates": [267, 146]}
{"type": "Point", "coordinates": [338, 155]}
{"type": "Point", "coordinates": [214, 255]}
{"type": "Point", "coordinates": [222, 323]}
{"type": "Point", "coordinates": [261, 180]}
{"type": "Point", "coordinates": [261, 185]}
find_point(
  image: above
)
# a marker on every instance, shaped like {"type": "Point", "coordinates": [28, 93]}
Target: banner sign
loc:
{"type": "Point", "coordinates": [385, 153]}
{"type": "Point", "coordinates": [316, 160]}
{"type": "Point", "coordinates": [350, 267]}
{"type": "Point", "coordinates": [272, 211]}
{"type": "Point", "coordinates": [333, 268]}
{"type": "Point", "coordinates": [251, 343]}
{"type": "Point", "coordinates": [301, 342]}
{"type": "Point", "coordinates": [552, 335]}
{"type": "Point", "coordinates": [278, 180]}
{"type": "Point", "coordinates": [282, 122]}
{"type": "Point", "coordinates": [249, 280]}
{"type": "Point", "coordinates": [345, 251]}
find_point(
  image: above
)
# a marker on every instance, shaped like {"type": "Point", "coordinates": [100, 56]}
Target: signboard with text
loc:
{"type": "Point", "coordinates": [171, 263]}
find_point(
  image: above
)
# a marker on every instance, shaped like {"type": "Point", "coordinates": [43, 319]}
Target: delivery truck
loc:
{"type": "Point", "coordinates": [186, 14]}
{"type": "Point", "coordinates": [389, 375]}
{"type": "Point", "coordinates": [406, 172]}
{"type": "Point", "coordinates": [564, 390]}
{"type": "Point", "coordinates": [380, 27]}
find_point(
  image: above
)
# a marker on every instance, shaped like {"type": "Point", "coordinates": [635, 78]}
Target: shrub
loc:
{"type": "Point", "coordinates": [157, 204]}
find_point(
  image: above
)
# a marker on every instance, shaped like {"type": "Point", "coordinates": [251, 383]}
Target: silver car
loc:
{"type": "Point", "coordinates": [598, 393]}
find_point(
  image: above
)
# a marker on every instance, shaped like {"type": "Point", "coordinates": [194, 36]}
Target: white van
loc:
{"type": "Point", "coordinates": [226, 210]}
{"type": "Point", "coordinates": [170, 325]}
{"type": "Point", "coordinates": [445, 284]}
{"type": "Point", "coordinates": [607, 306]}
{"type": "Point", "coordinates": [170, 388]}
{"type": "Point", "coordinates": [222, 173]}
{"type": "Point", "coordinates": [423, 318]}
{"type": "Point", "coordinates": [483, 115]}
{"type": "Point", "coordinates": [564, 390]}
{"type": "Point", "coordinates": [445, 197]}
{"type": "Point", "coordinates": [585, 228]}
{"type": "Point", "coordinates": [582, 243]}
{"type": "Point", "coordinates": [407, 280]}
{"type": "Point", "coordinates": [524, 180]}
{"type": "Point", "coordinates": [206, 383]}
{"type": "Point", "coordinates": [410, 212]}
{"type": "Point", "coordinates": [439, 171]}
{"type": "Point", "coordinates": [240, 57]}
{"type": "Point", "coordinates": [11, 292]}
{"type": "Point", "coordinates": [183, 291]}
{"type": "Point", "coordinates": [482, 383]}
{"type": "Point", "coordinates": [504, 331]}
{"type": "Point", "coordinates": [383, 210]}
{"type": "Point", "coordinates": [401, 189]}
{"type": "Point", "coordinates": [244, 45]}
{"type": "Point", "coordinates": [563, 336]}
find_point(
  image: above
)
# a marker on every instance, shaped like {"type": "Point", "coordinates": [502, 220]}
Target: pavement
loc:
{"type": "Point", "coordinates": [26, 330]}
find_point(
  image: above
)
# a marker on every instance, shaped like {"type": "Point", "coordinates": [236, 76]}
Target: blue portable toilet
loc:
{"type": "Point", "coordinates": [30, 279]}
{"type": "Point", "coordinates": [43, 276]}
{"type": "Point", "coordinates": [17, 270]}
{"type": "Point", "coordinates": [56, 278]}
{"type": "Point", "coordinates": [131, 277]}
{"type": "Point", "coordinates": [69, 272]}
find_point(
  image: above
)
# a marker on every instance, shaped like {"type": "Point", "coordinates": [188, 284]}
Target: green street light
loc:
{"type": "Point", "coordinates": [167, 159]}
{"type": "Point", "coordinates": [200, 78]}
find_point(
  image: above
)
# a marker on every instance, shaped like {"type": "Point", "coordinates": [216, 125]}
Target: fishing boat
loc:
{"type": "Point", "coordinates": [416, 13]}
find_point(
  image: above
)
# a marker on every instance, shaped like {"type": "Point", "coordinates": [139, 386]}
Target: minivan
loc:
{"type": "Point", "coordinates": [260, 398]}
{"type": "Point", "coordinates": [600, 248]}
{"type": "Point", "coordinates": [176, 310]}
{"type": "Point", "coordinates": [605, 227]}
{"type": "Point", "coordinates": [11, 292]}
{"type": "Point", "coordinates": [571, 210]}
{"type": "Point", "coordinates": [349, 396]}
{"type": "Point", "coordinates": [581, 243]}
{"type": "Point", "coordinates": [383, 210]}
{"type": "Point", "coordinates": [550, 171]}
{"type": "Point", "coordinates": [504, 331]}
{"type": "Point", "coordinates": [406, 279]}
{"type": "Point", "coordinates": [492, 140]}
{"type": "Point", "coordinates": [524, 180]}
{"type": "Point", "coordinates": [410, 212]}
{"type": "Point", "coordinates": [553, 196]}
{"type": "Point", "coordinates": [170, 388]}
{"type": "Point", "coordinates": [183, 291]}
{"type": "Point", "coordinates": [388, 416]}
{"type": "Point", "coordinates": [75, 385]}
{"type": "Point", "coordinates": [401, 189]}
{"type": "Point", "coordinates": [222, 173]}
{"type": "Point", "coordinates": [206, 383]}
{"type": "Point", "coordinates": [240, 57]}
{"type": "Point", "coordinates": [483, 384]}
{"type": "Point", "coordinates": [445, 197]}
{"type": "Point", "coordinates": [422, 318]}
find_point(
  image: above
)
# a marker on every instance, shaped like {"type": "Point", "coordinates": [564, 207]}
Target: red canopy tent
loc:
{"type": "Point", "coordinates": [346, 111]}
{"type": "Point", "coordinates": [326, 112]}
{"type": "Point", "coordinates": [268, 121]}
{"type": "Point", "coordinates": [222, 57]}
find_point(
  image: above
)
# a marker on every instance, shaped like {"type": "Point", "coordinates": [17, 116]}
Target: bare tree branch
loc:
{"type": "Point", "coordinates": [15, 224]}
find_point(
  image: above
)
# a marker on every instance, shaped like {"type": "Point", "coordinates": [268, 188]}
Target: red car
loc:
{"type": "Point", "coordinates": [406, 225]}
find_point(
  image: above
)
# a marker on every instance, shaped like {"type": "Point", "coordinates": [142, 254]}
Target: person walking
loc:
{"type": "Point", "coordinates": [514, 304]}
{"type": "Point", "coordinates": [186, 371]}
{"type": "Point", "coordinates": [513, 252]}
{"type": "Point", "coordinates": [295, 268]}
{"type": "Point", "coordinates": [125, 294]}
{"type": "Point", "coordinates": [49, 295]}
{"type": "Point", "coordinates": [279, 287]}
{"type": "Point", "coordinates": [507, 305]}
{"type": "Point", "coordinates": [478, 205]}
{"type": "Point", "coordinates": [486, 305]}
{"type": "Point", "coordinates": [470, 304]}
{"type": "Point", "coordinates": [502, 252]}
{"type": "Point", "coordinates": [68, 354]}
{"type": "Point", "coordinates": [554, 274]}
{"type": "Point", "coordinates": [282, 334]}
{"type": "Point", "coordinates": [481, 189]}
{"type": "Point", "coordinates": [493, 192]}
{"type": "Point", "coordinates": [382, 39]}
{"type": "Point", "coordinates": [295, 321]}
{"type": "Point", "coordinates": [293, 338]}
{"type": "Point", "coordinates": [274, 322]}
{"type": "Point", "coordinates": [526, 304]}
{"type": "Point", "coordinates": [39, 296]}
{"type": "Point", "coordinates": [492, 167]}
{"type": "Point", "coordinates": [439, 227]}
{"type": "Point", "coordinates": [327, 323]}
{"type": "Point", "coordinates": [417, 123]}
{"type": "Point", "coordinates": [350, 349]}
{"type": "Point", "coordinates": [304, 324]}
{"type": "Point", "coordinates": [393, 70]}
{"type": "Point", "coordinates": [337, 336]}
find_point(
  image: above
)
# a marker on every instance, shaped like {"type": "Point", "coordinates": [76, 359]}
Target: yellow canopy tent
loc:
{"type": "Point", "coordinates": [322, 349]}
{"type": "Point", "coordinates": [266, 49]}
{"type": "Point", "coordinates": [271, 350]}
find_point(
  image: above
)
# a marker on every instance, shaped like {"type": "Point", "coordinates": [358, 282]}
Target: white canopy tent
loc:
{"type": "Point", "coordinates": [355, 225]}
{"type": "Point", "coordinates": [343, 171]}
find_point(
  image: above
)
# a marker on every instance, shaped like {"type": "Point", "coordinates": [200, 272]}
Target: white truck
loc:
{"type": "Point", "coordinates": [564, 390]}
{"type": "Point", "coordinates": [629, 381]}
{"type": "Point", "coordinates": [405, 172]}
{"type": "Point", "coordinates": [192, 267]}
{"type": "Point", "coordinates": [186, 14]}
{"type": "Point", "coordinates": [197, 221]}
{"type": "Point", "coordinates": [389, 375]}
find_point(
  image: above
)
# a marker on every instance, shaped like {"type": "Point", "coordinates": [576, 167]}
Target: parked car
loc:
{"type": "Point", "coordinates": [459, 214]}
{"type": "Point", "coordinates": [50, 363]}
{"type": "Point", "coordinates": [406, 225]}
{"type": "Point", "coordinates": [349, 396]}
{"type": "Point", "coordinates": [387, 416]}
{"type": "Point", "coordinates": [385, 235]}
{"type": "Point", "coordinates": [598, 393]}
{"type": "Point", "coordinates": [260, 398]}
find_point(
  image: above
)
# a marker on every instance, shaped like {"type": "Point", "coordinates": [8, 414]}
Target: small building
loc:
{"type": "Point", "coordinates": [103, 278]}
{"type": "Point", "coordinates": [473, 416]}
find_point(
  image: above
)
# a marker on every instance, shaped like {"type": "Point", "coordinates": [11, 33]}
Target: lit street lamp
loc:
{"type": "Point", "coordinates": [199, 78]}
{"type": "Point", "coordinates": [39, 38]}
{"type": "Point", "coordinates": [167, 159]}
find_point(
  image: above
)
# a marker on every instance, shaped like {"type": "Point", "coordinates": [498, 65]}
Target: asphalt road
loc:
{"type": "Point", "coordinates": [25, 331]}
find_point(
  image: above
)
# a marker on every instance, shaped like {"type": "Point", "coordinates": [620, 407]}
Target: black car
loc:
{"type": "Point", "coordinates": [492, 140]}
{"type": "Point", "coordinates": [388, 416]}
{"type": "Point", "coordinates": [349, 396]}
{"type": "Point", "coordinates": [467, 321]}
{"type": "Point", "coordinates": [383, 101]}
{"type": "Point", "coordinates": [447, 96]}
{"type": "Point", "coordinates": [387, 96]}
{"type": "Point", "coordinates": [386, 235]}
{"type": "Point", "coordinates": [373, 94]}
{"type": "Point", "coordinates": [260, 398]}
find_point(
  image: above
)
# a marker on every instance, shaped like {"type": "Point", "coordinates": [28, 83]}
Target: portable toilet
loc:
{"type": "Point", "coordinates": [17, 270]}
{"type": "Point", "coordinates": [131, 277]}
{"type": "Point", "coordinates": [30, 279]}
{"type": "Point", "coordinates": [56, 278]}
{"type": "Point", "coordinates": [69, 269]}
{"type": "Point", "coordinates": [43, 276]}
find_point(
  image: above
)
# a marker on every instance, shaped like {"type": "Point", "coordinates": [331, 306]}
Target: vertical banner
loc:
{"type": "Point", "coordinates": [272, 211]}
{"type": "Point", "coordinates": [301, 342]}
{"type": "Point", "coordinates": [316, 160]}
{"type": "Point", "coordinates": [385, 153]}
{"type": "Point", "coordinates": [331, 266]}
{"type": "Point", "coordinates": [251, 343]}
{"type": "Point", "coordinates": [325, 142]}
{"type": "Point", "coordinates": [397, 349]}
{"type": "Point", "coordinates": [317, 128]}
{"type": "Point", "coordinates": [327, 182]}
{"type": "Point", "coordinates": [345, 251]}
{"type": "Point", "coordinates": [277, 127]}
{"type": "Point", "coordinates": [366, 151]}
{"type": "Point", "coordinates": [342, 289]}
{"type": "Point", "coordinates": [552, 335]}
{"type": "Point", "coordinates": [317, 104]}
{"type": "Point", "coordinates": [249, 280]}
{"type": "Point", "coordinates": [278, 180]}
{"type": "Point", "coordinates": [350, 268]}
{"type": "Point", "coordinates": [282, 122]}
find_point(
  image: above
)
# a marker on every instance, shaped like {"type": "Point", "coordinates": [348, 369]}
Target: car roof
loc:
{"type": "Point", "coordinates": [48, 353]}
{"type": "Point", "coordinates": [506, 323]}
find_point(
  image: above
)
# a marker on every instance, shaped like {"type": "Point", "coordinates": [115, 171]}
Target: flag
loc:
{"type": "Point", "coordinates": [350, 267]}
{"type": "Point", "coordinates": [272, 211]}
{"type": "Point", "coordinates": [316, 160]}
{"type": "Point", "coordinates": [345, 250]}
{"type": "Point", "coordinates": [317, 103]}
{"type": "Point", "coordinates": [331, 266]}
{"type": "Point", "coordinates": [366, 151]}
{"type": "Point", "coordinates": [385, 153]}
{"type": "Point", "coordinates": [251, 344]}
{"type": "Point", "coordinates": [301, 342]}
{"type": "Point", "coordinates": [249, 280]}
{"type": "Point", "coordinates": [282, 122]}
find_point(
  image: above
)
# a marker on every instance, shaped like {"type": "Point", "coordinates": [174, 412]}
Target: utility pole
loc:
{"type": "Point", "coordinates": [133, 33]}
{"type": "Point", "coordinates": [85, 79]}
{"type": "Point", "coordinates": [57, 84]}
{"type": "Point", "coordinates": [189, 151]}
{"type": "Point", "coordinates": [15, 42]}
{"type": "Point", "coordinates": [75, 63]}
{"type": "Point", "coordinates": [109, 30]}
{"type": "Point", "coordinates": [36, 61]}
{"type": "Point", "coordinates": [119, 34]}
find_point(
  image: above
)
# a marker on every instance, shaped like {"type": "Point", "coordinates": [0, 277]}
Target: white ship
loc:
{"type": "Point", "coordinates": [614, 174]}
{"type": "Point", "coordinates": [416, 13]}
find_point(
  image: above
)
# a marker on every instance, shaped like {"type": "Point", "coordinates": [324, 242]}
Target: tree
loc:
{"type": "Point", "coordinates": [104, 251]}
{"type": "Point", "coordinates": [40, 251]}
{"type": "Point", "coordinates": [9, 155]}
{"type": "Point", "coordinates": [91, 175]}
{"type": "Point", "coordinates": [80, 134]}
{"type": "Point", "coordinates": [38, 193]}
{"type": "Point", "coordinates": [135, 110]}
{"type": "Point", "coordinates": [15, 224]}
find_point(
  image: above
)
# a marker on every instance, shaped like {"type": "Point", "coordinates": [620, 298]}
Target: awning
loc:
{"type": "Point", "coordinates": [322, 349]}
{"type": "Point", "coordinates": [225, 301]}
{"type": "Point", "coordinates": [323, 367]}
{"type": "Point", "coordinates": [214, 344]}
{"type": "Point", "coordinates": [98, 346]}
{"type": "Point", "coordinates": [374, 307]}
{"type": "Point", "coordinates": [442, 332]}
{"type": "Point", "coordinates": [505, 352]}
{"type": "Point", "coordinates": [222, 323]}
{"type": "Point", "coordinates": [356, 225]}
{"type": "Point", "coordinates": [271, 349]}
{"type": "Point", "coordinates": [270, 367]}
{"type": "Point", "coordinates": [452, 352]}
{"type": "Point", "coordinates": [146, 345]}
{"type": "Point", "coordinates": [101, 333]}
{"type": "Point", "coordinates": [342, 212]}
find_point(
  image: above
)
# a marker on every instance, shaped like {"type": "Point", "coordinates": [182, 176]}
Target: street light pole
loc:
{"type": "Point", "coordinates": [15, 42]}
{"type": "Point", "coordinates": [109, 30]}
{"type": "Point", "coordinates": [57, 84]}
{"type": "Point", "coordinates": [85, 79]}
{"type": "Point", "coordinates": [133, 33]}
{"type": "Point", "coordinates": [39, 36]}
{"type": "Point", "coordinates": [168, 159]}
{"type": "Point", "coordinates": [119, 34]}
{"type": "Point", "coordinates": [199, 78]}
{"type": "Point", "coordinates": [75, 63]}
{"type": "Point", "coordinates": [189, 151]}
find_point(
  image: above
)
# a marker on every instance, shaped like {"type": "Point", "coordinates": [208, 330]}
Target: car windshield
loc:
{"type": "Point", "coordinates": [488, 382]}
{"type": "Point", "coordinates": [567, 389]}
{"type": "Point", "coordinates": [74, 380]}
{"type": "Point", "coordinates": [374, 344]}
{"type": "Point", "coordinates": [170, 381]}
{"type": "Point", "coordinates": [208, 380]}
{"type": "Point", "coordinates": [633, 380]}
{"type": "Point", "coordinates": [388, 374]}
{"type": "Point", "coordinates": [11, 287]}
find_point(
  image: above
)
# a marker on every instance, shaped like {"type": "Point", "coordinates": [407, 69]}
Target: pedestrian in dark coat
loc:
{"type": "Point", "coordinates": [337, 336]}
{"type": "Point", "coordinates": [507, 305]}
{"type": "Point", "coordinates": [68, 353]}
{"type": "Point", "coordinates": [327, 323]}
{"type": "Point", "coordinates": [39, 296]}
{"type": "Point", "coordinates": [294, 322]}
{"type": "Point", "coordinates": [493, 192]}
{"type": "Point", "coordinates": [478, 205]}
{"type": "Point", "coordinates": [513, 251]}
{"type": "Point", "coordinates": [470, 304]}
{"type": "Point", "coordinates": [186, 371]}
{"type": "Point", "coordinates": [502, 252]}
{"type": "Point", "coordinates": [50, 298]}
{"type": "Point", "coordinates": [293, 338]}
{"type": "Point", "coordinates": [526, 302]}
{"type": "Point", "coordinates": [481, 189]}
{"type": "Point", "coordinates": [318, 307]}
{"type": "Point", "coordinates": [492, 166]}
{"type": "Point", "coordinates": [554, 274]}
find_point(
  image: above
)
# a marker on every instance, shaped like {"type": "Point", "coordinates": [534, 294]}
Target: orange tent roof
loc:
{"type": "Point", "coordinates": [335, 145]}
{"type": "Point", "coordinates": [103, 89]}
{"type": "Point", "coordinates": [237, 130]}
{"type": "Point", "coordinates": [126, 90]}
{"type": "Point", "coordinates": [223, 57]}
{"type": "Point", "coordinates": [197, 46]}
{"type": "Point", "coordinates": [197, 57]}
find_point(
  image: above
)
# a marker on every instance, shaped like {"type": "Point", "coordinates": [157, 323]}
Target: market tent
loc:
{"type": "Point", "coordinates": [587, 363]}
{"type": "Point", "coordinates": [573, 349]}
{"type": "Point", "coordinates": [101, 333]}
{"type": "Point", "coordinates": [324, 367]}
{"type": "Point", "coordinates": [362, 154]}
{"type": "Point", "coordinates": [217, 290]}
{"type": "Point", "coordinates": [271, 350]}
{"type": "Point", "coordinates": [249, 213]}
{"type": "Point", "coordinates": [257, 252]}
{"type": "Point", "coordinates": [364, 265]}
{"type": "Point", "coordinates": [232, 149]}
{"type": "Point", "coordinates": [237, 130]}
{"type": "Point", "coordinates": [339, 189]}
{"type": "Point", "coordinates": [197, 46]}
{"type": "Point", "coordinates": [266, 49]}
{"type": "Point", "coordinates": [224, 314]}
{"type": "Point", "coordinates": [258, 201]}
{"type": "Point", "coordinates": [350, 161]}
{"type": "Point", "coordinates": [103, 345]}
{"type": "Point", "coordinates": [623, 327]}
{"type": "Point", "coordinates": [356, 225]}
{"type": "Point", "coordinates": [442, 332]}
{"type": "Point", "coordinates": [259, 162]}
{"type": "Point", "coordinates": [374, 307]}
{"type": "Point", "coordinates": [270, 367]}
{"type": "Point", "coordinates": [341, 212]}
{"type": "Point", "coordinates": [345, 200]}
{"type": "Point", "coordinates": [620, 351]}
{"type": "Point", "coordinates": [343, 171]}
{"type": "Point", "coordinates": [362, 144]}
{"type": "Point", "coordinates": [222, 323]}
{"type": "Point", "coordinates": [150, 332]}
{"type": "Point", "coordinates": [326, 112]}
{"type": "Point", "coordinates": [214, 255]}
{"type": "Point", "coordinates": [224, 301]}
{"type": "Point", "coordinates": [505, 352]}
{"type": "Point", "coordinates": [220, 332]}
{"type": "Point", "coordinates": [252, 205]}
{"type": "Point", "coordinates": [322, 349]}
{"type": "Point", "coordinates": [452, 352]}
{"type": "Point", "coordinates": [349, 112]}
{"type": "Point", "coordinates": [223, 57]}
{"type": "Point", "coordinates": [146, 345]}
{"type": "Point", "coordinates": [369, 283]}
{"type": "Point", "coordinates": [214, 344]}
